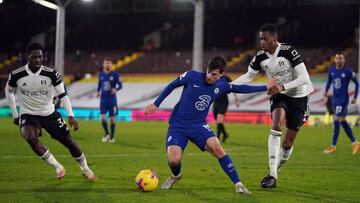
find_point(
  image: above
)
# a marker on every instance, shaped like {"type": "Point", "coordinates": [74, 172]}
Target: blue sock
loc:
{"type": "Point", "coordinates": [336, 131]}
{"type": "Point", "coordinates": [348, 131]}
{"type": "Point", "coordinates": [229, 168]}
{"type": "Point", "coordinates": [112, 128]}
{"type": "Point", "coordinates": [175, 169]}
{"type": "Point", "coordinates": [104, 124]}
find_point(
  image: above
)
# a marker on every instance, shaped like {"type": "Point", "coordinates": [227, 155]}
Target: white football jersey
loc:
{"type": "Point", "coordinates": [34, 91]}
{"type": "Point", "coordinates": [280, 66]}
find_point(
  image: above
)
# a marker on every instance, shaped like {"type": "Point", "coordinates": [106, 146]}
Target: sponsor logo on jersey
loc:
{"type": "Point", "coordinates": [34, 93]}
{"type": "Point", "coordinates": [281, 73]}
{"type": "Point", "coordinates": [203, 103]}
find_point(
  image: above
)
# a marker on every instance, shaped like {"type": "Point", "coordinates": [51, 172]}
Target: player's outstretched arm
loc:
{"type": "Point", "coordinates": [246, 78]}
{"type": "Point", "coordinates": [10, 96]}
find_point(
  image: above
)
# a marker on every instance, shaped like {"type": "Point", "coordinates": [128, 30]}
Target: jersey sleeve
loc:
{"type": "Point", "coordinates": [294, 57]}
{"type": "Point", "coordinates": [12, 80]}
{"type": "Point", "coordinates": [255, 62]}
{"type": "Point", "coordinates": [56, 78]}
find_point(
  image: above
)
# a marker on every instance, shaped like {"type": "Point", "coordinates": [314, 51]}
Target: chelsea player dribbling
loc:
{"type": "Point", "coordinates": [188, 118]}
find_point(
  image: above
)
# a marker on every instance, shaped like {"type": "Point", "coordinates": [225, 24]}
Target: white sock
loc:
{"type": "Point", "coordinates": [82, 162]}
{"type": "Point", "coordinates": [284, 155]}
{"type": "Point", "coordinates": [274, 148]}
{"type": "Point", "coordinates": [48, 157]}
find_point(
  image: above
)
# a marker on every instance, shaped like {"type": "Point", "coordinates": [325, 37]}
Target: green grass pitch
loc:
{"type": "Point", "coordinates": [309, 176]}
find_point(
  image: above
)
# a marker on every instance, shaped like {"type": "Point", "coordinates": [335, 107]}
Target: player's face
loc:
{"type": "Point", "coordinates": [267, 41]}
{"type": "Point", "coordinates": [213, 76]}
{"type": "Point", "coordinates": [35, 58]}
{"type": "Point", "coordinates": [339, 60]}
{"type": "Point", "coordinates": [107, 65]}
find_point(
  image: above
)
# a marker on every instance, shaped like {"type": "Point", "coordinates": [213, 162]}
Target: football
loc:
{"type": "Point", "coordinates": [146, 180]}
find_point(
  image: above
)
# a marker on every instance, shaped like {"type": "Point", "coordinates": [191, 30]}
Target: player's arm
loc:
{"type": "Point", "coordinates": [356, 82]}
{"type": "Point", "coordinates": [328, 84]}
{"type": "Point", "coordinates": [150, 109]}
{"type": "Point", "coordinates": [245, 78]}
{"type": "Point", "coordinates": [10, 90]}
{"type": "Point", "coordinates": [10, 96]}
{"type": "Point", "coordinates": [98, 87]}
{"type": "Point", "coordinates": [251, 89]}
{"type": "Point", "coordinates": [65, 100]}
{"type": "Point", "coordinates": [118, 83]}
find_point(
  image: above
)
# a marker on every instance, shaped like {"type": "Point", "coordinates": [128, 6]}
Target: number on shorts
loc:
{"type": "Point", "coordinates": [338, 109]}
{"type": "Point", "coordinates": [61, 122]}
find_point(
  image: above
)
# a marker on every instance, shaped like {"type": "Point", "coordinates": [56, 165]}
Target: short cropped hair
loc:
{"type": "Point", "coordinates": [33, 46]}
{"type": "Point", "coordinates": [217, 62]}
{"type": "Point", "coordinates": [269, 27]}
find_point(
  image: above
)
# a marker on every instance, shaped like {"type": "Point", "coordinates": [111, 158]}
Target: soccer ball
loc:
{"type": "Point", "coordinates": [146, 180]}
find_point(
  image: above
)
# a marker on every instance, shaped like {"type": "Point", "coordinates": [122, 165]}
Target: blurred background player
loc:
{"type": "Point", "coordinates": [33, 84]}
{"type": "Point", "coordinates": [188, 118]}
{"type": "Point", "coordinates": [220, 107]}
{"type": "Point", "coordinates": [339, 76]}
{"type": "Point", "coordinates": [290, 100]}
{"type": "Point", "coordinates": [109, 83]}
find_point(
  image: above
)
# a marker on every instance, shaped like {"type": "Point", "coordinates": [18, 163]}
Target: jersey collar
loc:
{"type": "Point", "coordinates": [30, 72]}
{"type": "Point", "coordinates": [276, 52]}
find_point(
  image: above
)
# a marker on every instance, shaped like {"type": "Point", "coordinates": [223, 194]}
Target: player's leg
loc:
{"type": "Point", "coordinates": [56, 127]}
{"type": "Point", "coordinates": [336, 131]}
{"type": "Point", "coordinates": [112, 114]}
{"type": "Point", "coordinates": [103, 112]}
{"type": "Point", "coordinates": [220, 128]}
{"type": "Point", "coordinates": [277, 115]}
{"type": "Point", "coordinates": [31, 135]}
{"type": "Point", "coordinates": [176, 142]}
{"type": "Point", "coordinates": [214, 148]}
{"type": "Point", "coordinates": [349, 133]}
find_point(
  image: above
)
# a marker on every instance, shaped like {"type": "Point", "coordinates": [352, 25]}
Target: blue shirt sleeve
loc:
{"type": "Point", "coordinates": [356, 82]}
{"type": "Point", "coordinates": [99, 83]}
{"type": "Point", "coordinates": [180, 81]}
{"type": "Point", "coordinates": [118, 82]}
{"type": "Point", "coordinates": [246, 88]}
{"type": "Point", "coordinates": [329, 80]}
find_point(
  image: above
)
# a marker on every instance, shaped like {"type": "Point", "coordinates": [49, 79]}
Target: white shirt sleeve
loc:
{"type": "Point", "coordinates": [302, 79]}
{"type": "Point", "coordinates": [10, 96]}
{"type": "Point", "coordinates": [246, 78]}
{"type": "Point", "coordinates": [65, 100]}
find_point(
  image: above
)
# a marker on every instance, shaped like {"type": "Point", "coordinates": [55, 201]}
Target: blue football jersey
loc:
{"type": "Point", "coordinates": [107, 81]}
{"type": "Point", "coordinates": [340, 79]}
{"type": "Point", "coordinates": [197, 96]}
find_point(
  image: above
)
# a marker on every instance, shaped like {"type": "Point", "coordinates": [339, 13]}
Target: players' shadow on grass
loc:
{"type": "Point", "coordinates": [147, 146]}
{"type": "Point", "coordinates": [243, 145]}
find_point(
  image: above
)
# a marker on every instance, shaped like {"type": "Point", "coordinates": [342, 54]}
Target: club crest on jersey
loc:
{"type": "Point", "coordinates": [111, 78]}
{"type": "Point", "coordinates": [343, 75]}
{"type": "Point", "coordinates": [43, 82]}
{"type": "Point", "coordinates": [216, 90]}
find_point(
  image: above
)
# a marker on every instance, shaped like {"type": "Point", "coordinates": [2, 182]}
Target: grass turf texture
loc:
{"type": "Point", "coordinates": [309, 176]}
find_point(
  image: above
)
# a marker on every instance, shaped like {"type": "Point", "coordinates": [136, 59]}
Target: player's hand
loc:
{"type": "Point", "coordinates": [16, 121]}
{"type": "Point", "coordinates": [98, 94]}
{"type": "Point", "coordinates": [353, 101]}
{"type": "Point", "coordinates": [113, 90]}
{"type": "Point", "coordinates": [271, 83]}
{"type": "Point", "coordinates": [275, 89]}
{"type": "Point", "coordinates": [150, 109]}
{"type": "Point", "coordinates": [73, 123]}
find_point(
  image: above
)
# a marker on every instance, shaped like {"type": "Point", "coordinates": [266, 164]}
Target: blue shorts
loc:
{"type": "Point", "coordinates": [340, 108]}
{"type": "Point", "coordinates": [111, 108]}
{"type": "Point", "coordinates": [180, 136]}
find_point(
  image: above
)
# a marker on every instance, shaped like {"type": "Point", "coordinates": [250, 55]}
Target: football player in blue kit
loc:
{"type": "Point", "coordinates": [109, 83]}
{"type": "Point", "coordinates": [339, 76]}
{"type": "Point", "coordinates": [188, 118]}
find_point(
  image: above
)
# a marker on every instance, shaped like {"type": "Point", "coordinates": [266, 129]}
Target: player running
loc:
{"type": "Point", "coordinates": [33, 85]}
{"type": "Point", "coordinates": [188, 119]}
{"type": "Point", "coordinates": [340, 76]}
{"type": "Point", "coordinates": [109, 83]}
